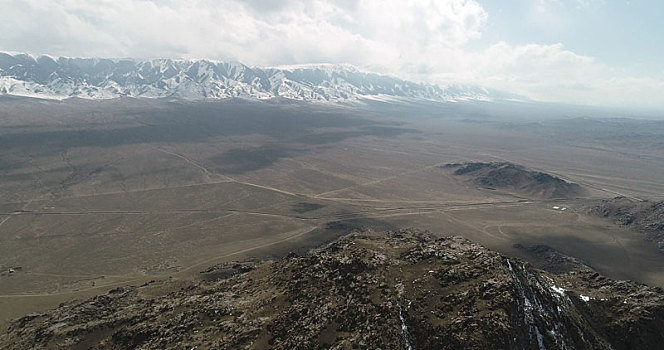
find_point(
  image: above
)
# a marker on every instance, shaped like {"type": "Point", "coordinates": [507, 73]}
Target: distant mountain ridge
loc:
{"type": "Point", "coordinates": [98, 78]}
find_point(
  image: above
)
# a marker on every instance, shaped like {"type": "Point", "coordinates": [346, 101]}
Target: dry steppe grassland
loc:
{"type": "Point", "coordinates": [100, 194]}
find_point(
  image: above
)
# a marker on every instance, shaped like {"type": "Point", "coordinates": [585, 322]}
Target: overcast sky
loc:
{"type": "Point", "coordinates": [602, 52]}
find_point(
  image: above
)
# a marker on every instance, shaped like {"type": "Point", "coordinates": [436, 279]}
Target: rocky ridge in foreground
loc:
{"type": "Point", "coordinates": [393, 290]}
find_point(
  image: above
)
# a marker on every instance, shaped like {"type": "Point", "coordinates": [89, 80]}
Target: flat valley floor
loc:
{"type": "Point", "coordinates": [99, 194]}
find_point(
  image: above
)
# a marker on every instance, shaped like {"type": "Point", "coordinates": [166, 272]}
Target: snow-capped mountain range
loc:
{"type": "Point", "coordinates": [95, 78]}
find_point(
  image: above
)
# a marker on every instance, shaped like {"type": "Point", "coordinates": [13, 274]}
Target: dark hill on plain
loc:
{"type": "Point", "coordinates": [518, 179]}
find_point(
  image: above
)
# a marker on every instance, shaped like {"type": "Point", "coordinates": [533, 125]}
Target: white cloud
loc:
{"type": "Point", "coordinates": [552, 73]}
{"type": "Point", "coordinates": [255, 31]}
{"type": "Point", "coordinates": [424, 40]}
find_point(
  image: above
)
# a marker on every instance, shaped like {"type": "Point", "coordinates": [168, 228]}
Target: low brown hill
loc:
{"type": "Point", "coordinates": [644, 216]}
{"type": "Point", "coordinates": [396, 290]}
{"type": "Point", "coordinates": [518, 179]}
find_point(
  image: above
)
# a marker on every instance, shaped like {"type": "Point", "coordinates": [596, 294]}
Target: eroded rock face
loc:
{"type": "Point", "coordinates": [392, 290]}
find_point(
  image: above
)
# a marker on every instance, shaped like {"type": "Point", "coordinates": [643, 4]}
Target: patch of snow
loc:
{"type": "Point", "coordinates": [540, 339]}
{"type": "Point", "coordinates": [556, 207]}
{"type": "Point", "coordinates": [585, 298]}
{"type": "Point", "coordinates": [404, 328]}
{"type": "Point", "coordinates": [558, 290]}
{"type": "Point", "coordinates": [509, 265]}
{"type": "Point", "coordinates": [527, 302]}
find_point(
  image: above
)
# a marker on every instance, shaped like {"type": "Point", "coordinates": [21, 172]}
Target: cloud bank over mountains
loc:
{"type": "Point", "coordinates": [432, 41]}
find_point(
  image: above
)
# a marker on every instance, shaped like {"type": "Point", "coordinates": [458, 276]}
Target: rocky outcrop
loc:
{"type": "Point", "coordinates": [396, 290]}
{"type": "Point", "coordinates": [549, 259]}
{"type": "Point", "coordinates": [516, 178]}
{"type": "Point", "coordinates": [643, 216]}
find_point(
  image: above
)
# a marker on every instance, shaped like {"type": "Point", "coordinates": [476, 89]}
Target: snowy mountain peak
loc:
{"type": "Point", "coordinates": [326, 67]}
{"type": "Point", "coordinates": [100, 78]}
